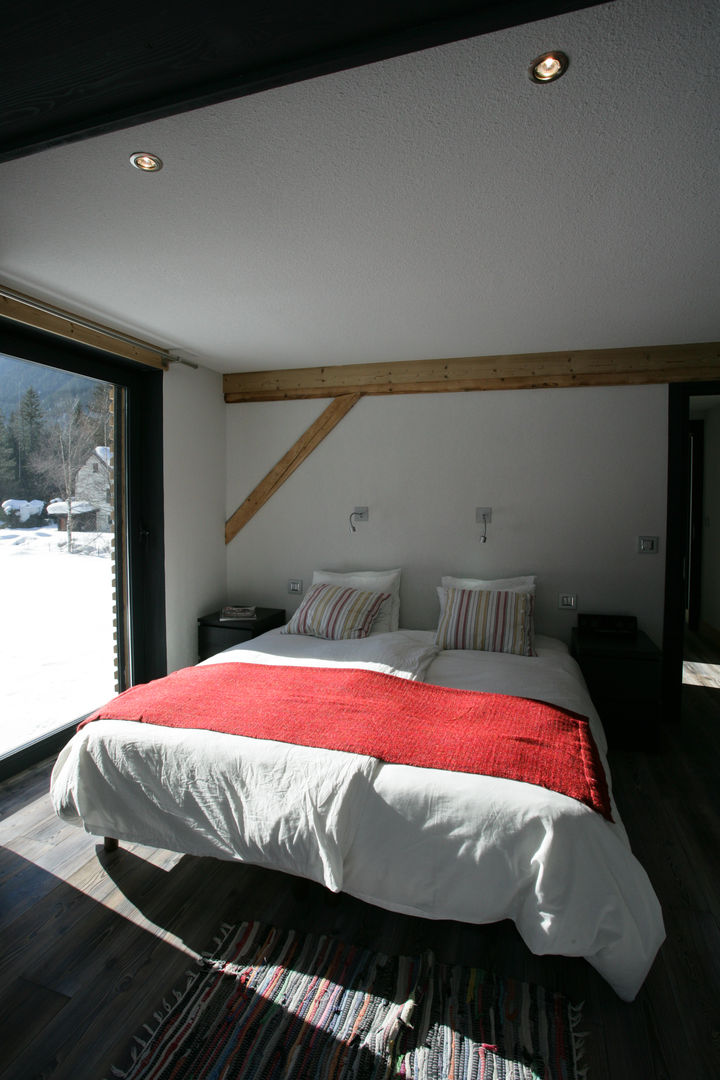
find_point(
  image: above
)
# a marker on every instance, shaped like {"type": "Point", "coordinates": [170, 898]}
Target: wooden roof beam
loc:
{"type": "Point", "coordinates": [586, 367]}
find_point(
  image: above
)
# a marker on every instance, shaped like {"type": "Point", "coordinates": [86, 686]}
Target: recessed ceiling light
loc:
{"type": "Point", "coordinates": [548, 67]}
{"type": "Point", "coordinates": [146, 162]}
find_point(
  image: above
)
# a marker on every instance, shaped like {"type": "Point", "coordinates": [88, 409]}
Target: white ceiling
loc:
{"type": "Point", "coordinates": [437, 204]}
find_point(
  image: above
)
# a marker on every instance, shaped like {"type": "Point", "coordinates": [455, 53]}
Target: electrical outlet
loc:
{"type": "Point", "coordinates": [483, 514]}
{"type": "Point", "coordinates": [648, 545]}
{"type": "Point", "coordinates": [567, 601]}
{"type": "Point", "coordinates": [295, 585]}
{"type": "Point", "coordinates": [361, 513]}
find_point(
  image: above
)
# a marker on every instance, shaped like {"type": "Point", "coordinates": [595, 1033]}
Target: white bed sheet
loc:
{"type": "Point", "coordinates": [424, 842]}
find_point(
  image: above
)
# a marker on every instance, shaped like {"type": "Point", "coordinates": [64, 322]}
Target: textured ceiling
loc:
{"type": "Point", "coordinates": [433, 204]}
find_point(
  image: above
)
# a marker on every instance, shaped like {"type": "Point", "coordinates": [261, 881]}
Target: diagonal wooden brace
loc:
{"type": "Point", "coordinates": [287, 465]}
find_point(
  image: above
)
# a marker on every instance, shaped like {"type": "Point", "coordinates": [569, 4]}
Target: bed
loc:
{"type": "Point", "coordinates": [430, 842]}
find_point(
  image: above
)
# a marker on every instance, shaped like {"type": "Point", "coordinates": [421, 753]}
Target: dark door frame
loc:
{"type": "Point", "coordinates": [676, 544]}
{"type": "Point", "coordinates": [696, 467]}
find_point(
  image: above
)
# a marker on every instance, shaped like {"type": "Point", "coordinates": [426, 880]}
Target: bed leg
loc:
{"type": "Point", "coordinates": [110, 843]}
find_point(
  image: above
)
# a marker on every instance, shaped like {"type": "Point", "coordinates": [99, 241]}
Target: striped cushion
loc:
{"type": "Point", "coordinates": [489, 620]}
{"type": "Point", "coordinates": [334, 611]}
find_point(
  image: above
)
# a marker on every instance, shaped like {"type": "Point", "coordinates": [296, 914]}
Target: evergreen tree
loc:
{"type": "Point", "coordinates": [8, 464]}
{"type": "Point", "coordinates": [8, 467]}
{"type": "Point", "coordinates": [27, 429]}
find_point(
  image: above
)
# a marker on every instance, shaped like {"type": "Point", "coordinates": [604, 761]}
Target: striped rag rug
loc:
{"type": "Point", "coordinates": [267, 1004]}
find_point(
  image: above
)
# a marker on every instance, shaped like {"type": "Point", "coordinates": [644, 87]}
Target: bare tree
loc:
{"type": "Point", "coordinates": [71, 440]}
{"type": "Point", "coordinates": [100, 409]}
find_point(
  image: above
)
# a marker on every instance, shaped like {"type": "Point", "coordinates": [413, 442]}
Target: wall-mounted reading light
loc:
{"type": "Point", "coordinates": [146, 162]}
{"type": "Point", "coordinates": [549, 67]}
{"type": "Point", "coordinates": [360, 513]}
{"type": "Point", "coordinates": [483, 516]}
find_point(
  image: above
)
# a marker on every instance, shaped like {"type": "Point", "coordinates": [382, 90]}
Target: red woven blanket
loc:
{"type": "Point", "coordinates": [393, 719]}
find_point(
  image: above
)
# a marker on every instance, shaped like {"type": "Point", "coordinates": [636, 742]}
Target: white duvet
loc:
{"type": "Point", "coordinates": [425, 842]}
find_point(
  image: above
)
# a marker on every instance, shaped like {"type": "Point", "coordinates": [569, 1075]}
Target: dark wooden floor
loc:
{"type": "Point", "coordinates": [90, 944]}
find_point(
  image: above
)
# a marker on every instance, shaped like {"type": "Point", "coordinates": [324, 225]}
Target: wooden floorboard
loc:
{"type": "Point", "coordinates": [91, 943]}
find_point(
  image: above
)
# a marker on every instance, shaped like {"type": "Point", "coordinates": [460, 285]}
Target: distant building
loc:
{"type": "Point", "coordinates": [92, 509]}
{"type": "Point", "coordinates": [84, 515]}
{"type": "Point", "coordinates": [94, 485]}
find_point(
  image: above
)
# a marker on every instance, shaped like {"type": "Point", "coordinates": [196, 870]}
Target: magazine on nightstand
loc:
{"type": "Point", "coordinates": [238, 611]}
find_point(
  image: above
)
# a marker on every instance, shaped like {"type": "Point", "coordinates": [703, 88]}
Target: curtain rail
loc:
{"type": "Point", "coordinates": [25, 309]}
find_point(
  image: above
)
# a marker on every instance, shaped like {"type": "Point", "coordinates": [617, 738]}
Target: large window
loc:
{"type": "Point", "coordinates": [81, 536]}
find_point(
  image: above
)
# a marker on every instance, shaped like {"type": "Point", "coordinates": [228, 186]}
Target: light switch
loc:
{"type": "Point", "coordinates": [648, 545]}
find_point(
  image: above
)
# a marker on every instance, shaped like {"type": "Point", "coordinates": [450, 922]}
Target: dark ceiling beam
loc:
{"type": "Point", "coordinates": [86, 67]}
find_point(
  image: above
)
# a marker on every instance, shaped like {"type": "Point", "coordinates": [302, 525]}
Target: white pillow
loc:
{"type": "Point", "coordinates": [385, 581]}
{"type": "Point", "coordinates": [508, 584]}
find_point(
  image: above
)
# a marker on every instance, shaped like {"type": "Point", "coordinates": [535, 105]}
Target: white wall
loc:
{"type": "Point", "coordinates": [573, 477]}
{"type": "Point", "coordinates": [710, 602]}
{"type": "Point", "coordinates": [194, 464]}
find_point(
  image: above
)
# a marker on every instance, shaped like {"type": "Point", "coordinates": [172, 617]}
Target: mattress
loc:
{"type": "Point", "coordinates": [426, 842]}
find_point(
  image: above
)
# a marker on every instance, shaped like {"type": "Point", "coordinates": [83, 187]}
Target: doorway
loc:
{"type": "Point", "coordinates": [85, 568]}
{"type": "Point", "coordinates": [691, 639]}
{"type": "Point", "coordinates": [61, 515]}
{"type": "Point", "coordinates": [701, 651]}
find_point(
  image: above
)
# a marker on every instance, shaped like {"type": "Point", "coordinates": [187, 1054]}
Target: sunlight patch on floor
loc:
{"type": "Point", "coordinates": [73, 858]}
{"type": "Point", "coordinates": [697, 674]}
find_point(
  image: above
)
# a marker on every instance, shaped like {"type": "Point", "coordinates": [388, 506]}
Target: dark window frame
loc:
{"type": "Point", "coordinates": [144, 535]}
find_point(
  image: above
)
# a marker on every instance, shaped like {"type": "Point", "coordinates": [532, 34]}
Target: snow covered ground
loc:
{"type": "Point", "coordinates": [56, 647]}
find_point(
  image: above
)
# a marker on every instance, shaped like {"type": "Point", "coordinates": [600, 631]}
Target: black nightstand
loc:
{"type": "Point", "coordinates": [214, 635]}
{"type": "Point", "coordinates": [624, 677]}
